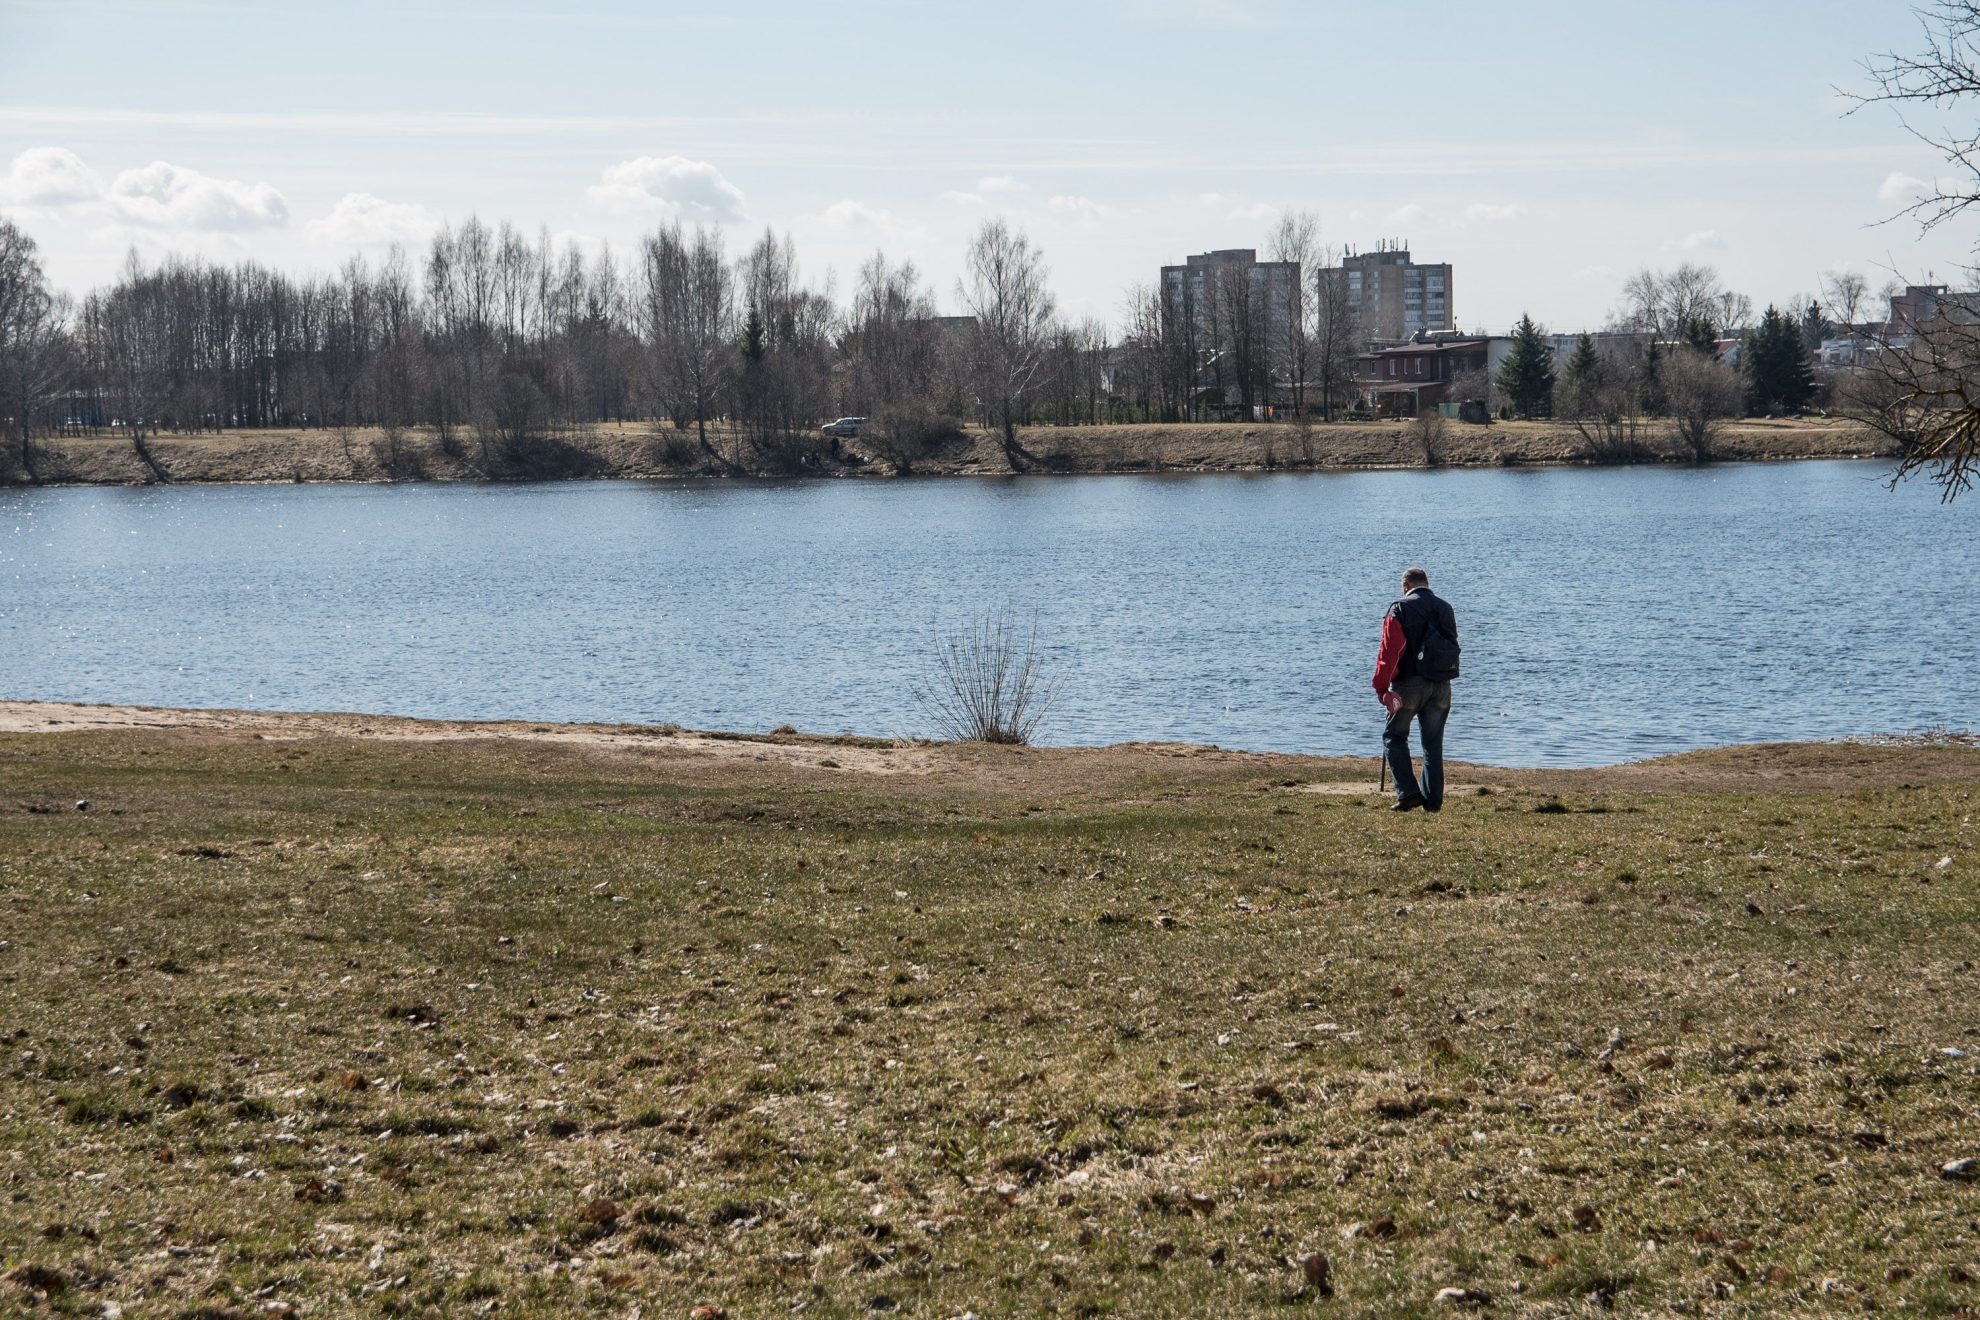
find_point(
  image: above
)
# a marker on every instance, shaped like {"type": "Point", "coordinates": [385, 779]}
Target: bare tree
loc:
{"type": "Point", "coordinates": [398, 365]}
{"type": "Point", "coordinates": [1603, 400]}
{"type": "Point", "coordinates": [132, 329]}
{"type": "Point", "coordinates": [1335, 334]}
{"type": "Point", "coordinates": [1666, 304]}
{"type": "Point", "coordinates": [1004, 289]}
{"type": "Point", "coordinates": [1922, 389]}
{"type": "Point", "coordinates": [1920, 386]}
{"type": "Point", "coordinates": [1700, 394]}
{"type": "Point", "coordinates": [1241, 348]}
{"type": "Point", "coordinates": [34, 347]}
{"type": "Point", "coordinates": [1297, 240]}
{"type": "Point", "coordinates": [1079, 366]}
{"type": "Point", "coordinates": [1137, 376]}
{"type": "Point", "coordinates": [1470, 385]}
{"type": "Point", "coordinates": [889, 352]}
{"type": "Point", "coordinates": [1942, 76]}
{"type": "Point", "coordinates": [787, 341]}
{"type": "Point", "coordinates": [687, 312]}
{"type": "Point", "coordinates": [1845, 294]}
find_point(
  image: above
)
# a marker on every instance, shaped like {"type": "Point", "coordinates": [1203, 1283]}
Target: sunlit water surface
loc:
{"type": "Point", "coordinates": [1606, 615]}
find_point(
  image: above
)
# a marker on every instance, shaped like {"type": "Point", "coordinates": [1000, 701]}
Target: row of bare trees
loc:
{"type": "Point", "coordinates": [496, 344]}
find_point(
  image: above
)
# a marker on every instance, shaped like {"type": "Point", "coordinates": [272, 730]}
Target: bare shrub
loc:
{"type": "Point", "coordinates": [1700, 393]}
{"type": "Point", "coordinates": [1604, 404]}
{"type": "Point", "coordinates": [1427, 431]}
{"type": "Point", "coordinates": [989, 684]}
{"type": "Point", "coordinates": [1302, 438]}
{"type": "Point", "coordinates": [395, 458]}
{"type": "Point", "coordinates": [906, 434]}
{"type": "Point", "coordinates": [677, 449]}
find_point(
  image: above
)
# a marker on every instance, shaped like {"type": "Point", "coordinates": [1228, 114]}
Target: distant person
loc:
{"type": "Point", "coordinates": [1413, 673]}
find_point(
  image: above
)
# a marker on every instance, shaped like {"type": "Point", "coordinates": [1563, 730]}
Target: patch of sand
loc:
{"type": "Point", "coordinates": [1355, 788]}
{"type": "Point", "coordinates": [866, 756]}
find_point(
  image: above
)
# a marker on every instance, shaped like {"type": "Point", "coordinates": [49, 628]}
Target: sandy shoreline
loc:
{"type": "Point", "coordinates": [789, 756]}
{"type": "Point", "coordinates": [873, 756]}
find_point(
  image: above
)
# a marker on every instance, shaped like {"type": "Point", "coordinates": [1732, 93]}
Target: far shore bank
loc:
{"type": "Point", "coordinates": [645, 450]}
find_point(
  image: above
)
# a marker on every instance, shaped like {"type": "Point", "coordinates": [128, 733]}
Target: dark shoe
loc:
{"type": "Point", "coordinates": [1410, 803]}
{"type": "Point", "coordinates": [1433, 810]}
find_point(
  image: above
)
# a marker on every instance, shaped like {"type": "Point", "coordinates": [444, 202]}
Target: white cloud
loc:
{"type": "Point", "coordinates": [852, 215]}
{"type": "Point", "coordinates": [693, 189]}
{"type": "Point", "coordinates": [1493, 213]}
{"type": "Point", "coordinates": [167, 196]}
{"type": "Point", "coordinates": [160, 196]}
{"type": "Point", "coordinates": [1900, 187]}
{"type": "Point", "coordinates": [1594, 274]}
{"type": "Point", "coordinates": [962, 198]}
{"type": "Point", "coordinates": [1000, 183]}
{"type": "Point", "coordinates": [361, 219]}
{"type": "Point", "coordinates": [1236, 208]}
{"type": "Point", "coordinates": [1702, 240]}
{"type": "Point", "coordinates": [847, 213]}
{"type": "Point", "coordinates": [1079, 208]}
{"type": "Point", "coordinates": [1409, 213]}
{"type": "Point", "coordinates": [49, 176]}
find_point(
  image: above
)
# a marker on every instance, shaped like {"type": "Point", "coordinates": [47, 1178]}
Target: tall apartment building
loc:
{"type": "Point", "coordinates": [1392, 297]}
{"type": "Point", "coordinates": [1206, 284]}
{"type": "Point", "coordinates": [1238, 311]}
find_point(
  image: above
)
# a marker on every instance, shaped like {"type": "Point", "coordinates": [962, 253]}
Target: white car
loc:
{"type": "Point", "coordinates": [848, 427]}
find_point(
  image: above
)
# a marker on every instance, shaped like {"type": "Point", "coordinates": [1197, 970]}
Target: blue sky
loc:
{"type": "Point", "coordinates": [1546, 149]}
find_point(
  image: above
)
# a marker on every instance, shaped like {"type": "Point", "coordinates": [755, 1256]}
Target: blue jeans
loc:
{"type": "Point", "coordinates": [1430, 705]}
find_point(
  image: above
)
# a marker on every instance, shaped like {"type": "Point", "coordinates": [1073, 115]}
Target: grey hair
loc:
{"type": "Point", "coordinates": [1415, 577]}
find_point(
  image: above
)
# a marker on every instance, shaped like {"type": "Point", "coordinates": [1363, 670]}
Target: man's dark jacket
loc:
{"type": "Point", "coordinates": [1402, 634]}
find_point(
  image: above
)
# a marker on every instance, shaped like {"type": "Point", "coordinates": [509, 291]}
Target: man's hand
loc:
{"type": "Point", "coordinates": [1391, 701]}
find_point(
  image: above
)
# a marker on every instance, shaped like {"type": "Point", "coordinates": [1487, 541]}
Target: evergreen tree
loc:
{"type": "Point", "coordinates": [1526, 377]}
{"type": "Point", "coordinates": [1779, 377]}
{"type": "Point", "coordinates": [753, 345]}
{"type": "Point", "coordinates": [1653, 379]}
{"type": "Point", "coordinates": [1699, 334]}
{"type": "Point", "coordinates": [755, 339]}
{"type": "Point", "coordinates": [1815, 327]}
{"type": "Point", "coordinates": [1584, 365]}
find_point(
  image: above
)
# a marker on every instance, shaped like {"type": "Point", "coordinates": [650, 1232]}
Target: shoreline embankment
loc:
{"type": "Point", "coordinates": [646, 450]}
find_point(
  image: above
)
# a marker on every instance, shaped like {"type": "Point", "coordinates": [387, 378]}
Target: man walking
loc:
{"type": "Point", "coordinates": [1413, 673]}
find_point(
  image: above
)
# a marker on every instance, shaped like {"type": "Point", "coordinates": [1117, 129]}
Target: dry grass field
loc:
{"type": "Point", "coordinates": [338, 1016]}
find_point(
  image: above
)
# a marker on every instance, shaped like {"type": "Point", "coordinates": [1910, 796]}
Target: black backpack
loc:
{"type": "Point", "coordinates": [1436, 654]}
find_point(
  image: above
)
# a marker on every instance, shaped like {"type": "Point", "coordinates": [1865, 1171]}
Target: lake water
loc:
{"type": "Point", "coordinates": [1606, 614]}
